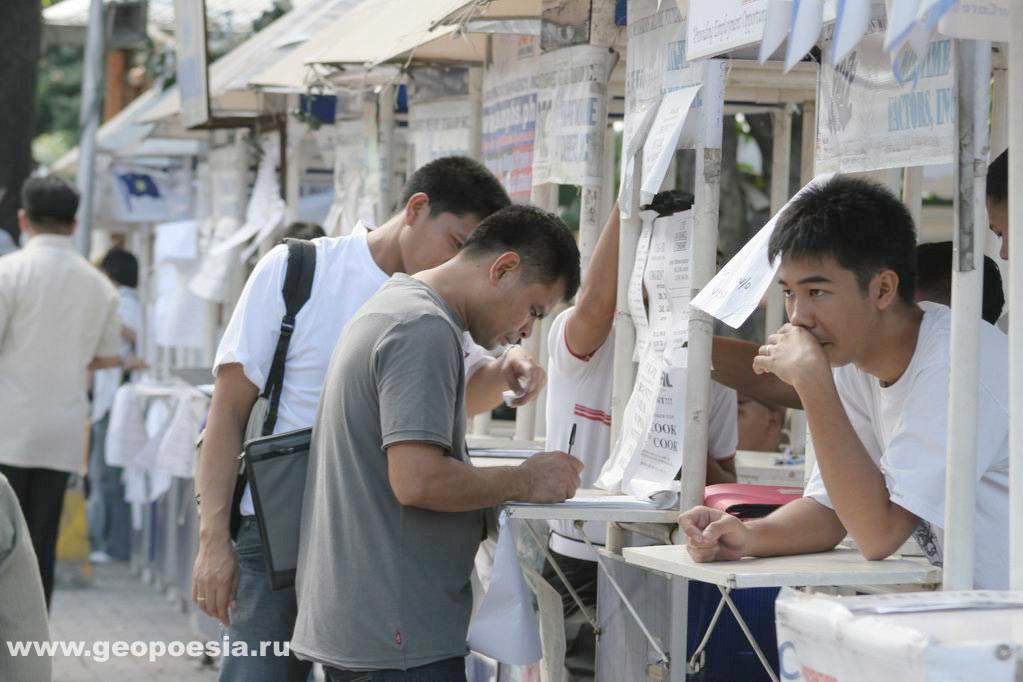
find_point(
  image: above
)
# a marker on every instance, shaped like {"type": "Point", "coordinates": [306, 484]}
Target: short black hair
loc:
{"type": "Point", "coordinates": [998, 179]}
{"type": "Point", "coordinates": [934, 279]}
{"type": "Point", "coordinates": [305, 231]}
{"type": "Point", "coordinates": [858, 223]}
{"type": "Point", "coordinates": [49, 202]}
{"type": "Point", "coordinates": [544, 243]}
{"type": "Point", "coordinates": [458, 185]}
{"type": "Point", "coordinates": [121, 266]}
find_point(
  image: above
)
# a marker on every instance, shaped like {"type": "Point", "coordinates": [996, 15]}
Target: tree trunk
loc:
{"type": "Point", "coordinates": [20, 35]}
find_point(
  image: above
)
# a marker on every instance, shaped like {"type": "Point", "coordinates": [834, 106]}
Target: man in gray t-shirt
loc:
{"type": "Point", "coordinates": [392, 514]}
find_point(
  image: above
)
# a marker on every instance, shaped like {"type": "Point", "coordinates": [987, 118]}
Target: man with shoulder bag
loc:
{"type": "Point", "coordinates": [442, 204]}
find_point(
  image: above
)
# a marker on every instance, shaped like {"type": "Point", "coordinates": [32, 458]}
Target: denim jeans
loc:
{"type": "Point", "coordinates": [262, 615]}
{"type": "Point", "coordinates": [108, 513]}
{"type": "Point", "coordinates": [448, 670]}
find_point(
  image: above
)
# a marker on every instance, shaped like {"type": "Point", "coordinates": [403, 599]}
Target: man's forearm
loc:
{"type": "Point", "coordinates": [449, 485]}
{"type": "Point", "coordinates": [733, 367]}
{"type": "Point", "coordinates": [483, 391]}
{"type": "Point", "coordinates": [854, 483]}
{"type": "Point", "coordinates": [800, 527]}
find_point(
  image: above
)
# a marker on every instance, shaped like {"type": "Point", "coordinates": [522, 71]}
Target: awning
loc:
{"type": "Point", "coordinates": [230, 95]}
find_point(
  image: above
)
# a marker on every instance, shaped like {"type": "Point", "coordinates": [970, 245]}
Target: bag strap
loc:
{"type": "Point", "coordinates": [298, 284]}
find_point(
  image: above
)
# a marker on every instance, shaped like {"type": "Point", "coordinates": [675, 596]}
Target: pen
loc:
{"type": "Point", "coordinates": [571, 439]}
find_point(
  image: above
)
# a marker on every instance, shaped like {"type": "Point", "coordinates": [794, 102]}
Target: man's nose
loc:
{"type": "Point", "coordinates": [800, 313]}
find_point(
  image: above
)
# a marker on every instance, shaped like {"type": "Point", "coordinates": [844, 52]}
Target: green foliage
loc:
{"type": "Point", "coordinates": [58, 91]}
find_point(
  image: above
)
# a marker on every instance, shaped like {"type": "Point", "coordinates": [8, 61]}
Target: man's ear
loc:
{"type": "Point", "coordinates": [884, 288]}
{"type": "Point", "coordinates": [504, 264]}
{"type": "Point", "coordinates": [416, 208]}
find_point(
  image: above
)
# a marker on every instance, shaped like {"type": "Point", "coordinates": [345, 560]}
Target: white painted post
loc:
{"type": "Point", "coordinates": [1015, 77]}
{"type": "Point", "coordinates": [701, 328]}
{"type": "Point", "coordinates": [780, 162]}
{"type": "Point", "coordinates": [912, 193]}
{"type": "Point", "coordinates": [972, 76]}
{"type": "Point", "coordinates": [808, 143]}
{"type": "Point", "coordinates": [476, 112]}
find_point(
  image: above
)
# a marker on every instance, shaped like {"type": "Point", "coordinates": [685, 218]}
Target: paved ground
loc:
{"type": "Point", "coordinates": [119, 606]}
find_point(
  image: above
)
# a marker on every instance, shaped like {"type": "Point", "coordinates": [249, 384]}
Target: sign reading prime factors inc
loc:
{"type": "Point", "coordinates": [867, 120]}
{"type": "Point", "coordinates": [193, 75]}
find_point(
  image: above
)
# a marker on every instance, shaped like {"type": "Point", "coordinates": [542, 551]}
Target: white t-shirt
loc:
{"type": "Point", "coordinates": [904, 428]}
{"type": "Point", "coordinates": [106, 381]}
{"type": "Point", "coordinates": [346, 277]}
{"type": "Point", "coordinates": [579, 392]}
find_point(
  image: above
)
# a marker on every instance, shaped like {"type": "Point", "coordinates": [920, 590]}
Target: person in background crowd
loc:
{"type": "Point", "coordinates": [581, 373]}
{"type": "Point", "coordinates": [58, 319]}
{"type": "Point", "coordinates": [109, 514]}
{"type": "Point", "coordinates": [934, 280]}
{"type": "Point", "coordinates": [442, 204]}
{"type": "Point", "coordinates": [871, 367]}
{"type": "Point", "coordinates": [760, 424]}
{"type": "Point", "coordinates": [23, 606]}
{"type": "Point", "coordinates": [998, 200]}
{"type": "Point", "coordinates": [393, 510]}
{"type": "Point", "coordinates": [7, 243]}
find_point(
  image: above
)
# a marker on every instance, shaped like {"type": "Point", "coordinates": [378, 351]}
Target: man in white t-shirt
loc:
{"type": "Point", "coordinates": [443, 202]}
{"type": "Point", "coordinates": [581, 370]}
{"type": "Point", "coordinates": [871, 368]}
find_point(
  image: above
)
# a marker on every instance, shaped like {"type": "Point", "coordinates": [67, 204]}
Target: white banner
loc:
{"type": "Point", "coordinates": [867, 120]}
{"type": "Point", "coordinates": [509, 112]}
{"type": "Point", "coordinates": [571, 114]}
{"type": "Point", "coordinates": [720, 26]}
{"type": "Point", "coordinates": [977, 20]}
{"type": "Point", "coordinates": [439, 128]}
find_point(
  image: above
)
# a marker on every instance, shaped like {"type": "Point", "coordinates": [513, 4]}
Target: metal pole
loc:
{"type": "Point", "coordinates": [701, 328]}
{"type": "Point", "coordinates": [1015, 77]}
{"type": "Point", "coordinates": [780, 161]}
{"type": "Point", "coordinates": [972, 78]}
{"type": "Point", "coordinates": [92, 99]}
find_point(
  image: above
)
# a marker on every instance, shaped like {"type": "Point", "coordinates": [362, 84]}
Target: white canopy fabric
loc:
{"type": "Point", "coordinates": [379, 31]}
{"type": "Point", "coordinates": [230, 75]}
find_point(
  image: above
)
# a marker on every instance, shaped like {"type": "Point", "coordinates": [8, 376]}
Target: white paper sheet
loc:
{"type": "Point", "coordinates": [505, 627]}
{"type": "Point", "coordinates": [662, 141]}
{"type": "Point", "coordinates": [637, 309]}
{"type": "Point", "coordinates": [176, 451]}
{"type": "Point", "coordinates": [807, 18]}
{"type": "Point", "coordinates": [736, 291]}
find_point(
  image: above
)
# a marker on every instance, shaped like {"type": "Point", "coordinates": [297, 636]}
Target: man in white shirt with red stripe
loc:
{"type": "Point", "coordinates": [580, 376]}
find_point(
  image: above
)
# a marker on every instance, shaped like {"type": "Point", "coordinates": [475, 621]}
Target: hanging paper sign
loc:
{"type": "Point", "coordinates": [737, 289]}
{"type": "Point", "coordinates": [659, 65]}
{"type": "Point", "coordinates": [571, 115]}
{"type": "Point", "coordinates": [637, 306]}
{"type": "Point", "coordinates": [662, 140]}
{"type": "Point", "coordinates": [868, 120]}
{"type": "Point", "coordinates": [509, 113]}
{"type": "Point", "coordinates": [440, 128]}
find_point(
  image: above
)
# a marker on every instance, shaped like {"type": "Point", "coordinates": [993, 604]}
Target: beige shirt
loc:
{"type": "Point", "coordinates": [57, 313]}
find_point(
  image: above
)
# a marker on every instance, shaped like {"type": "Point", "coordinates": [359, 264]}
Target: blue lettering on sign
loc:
{"type": "Point", "coordinates": [910, 111]}
{"type": "Point", "coordinates": [785, 672]}
{"type": "Point", "coordinates": [945, 105]}
{"type": "Point", "coordinates": [677, 56]}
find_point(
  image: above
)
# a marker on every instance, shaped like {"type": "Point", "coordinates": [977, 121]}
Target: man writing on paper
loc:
{"type": "Point", "coordinates": [442, 203]}
{"type": "Point", "coordinates": [579, 393]}
{"type": "Point", "coordinates": [871, 368]}
{"type": "Point", "coordinates": [392, 514]}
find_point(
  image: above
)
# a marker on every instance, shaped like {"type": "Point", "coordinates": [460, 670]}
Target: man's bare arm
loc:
{"type": "Point", "coordinates": [422, 476]}
{"type": "Point", "coordinates": [589, 323]}
{"type": "Point", "coordinates": [720, 471]}
{"type": "Point", "coordinates": [733, 367]}
{"type": "Point", "coordinates": [515, 368]}
{"type": "Point", "coordinates": [215, 575]}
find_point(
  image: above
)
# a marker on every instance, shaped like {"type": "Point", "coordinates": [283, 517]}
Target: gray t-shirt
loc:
{"type": "Point", "coordinates": [382, 586]}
